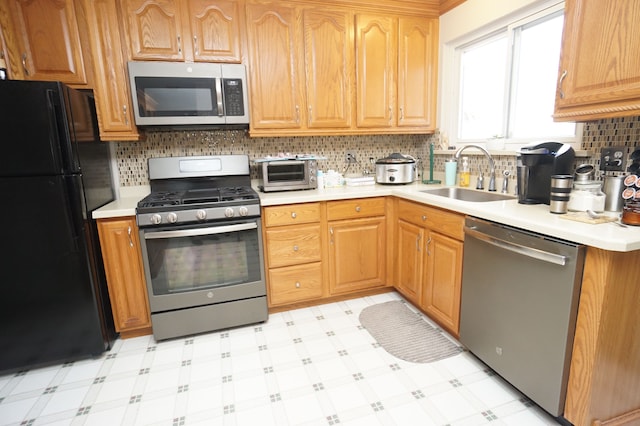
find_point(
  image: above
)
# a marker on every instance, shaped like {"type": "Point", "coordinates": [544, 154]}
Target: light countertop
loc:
{"type": "Point", "coordinates": [535, 218]}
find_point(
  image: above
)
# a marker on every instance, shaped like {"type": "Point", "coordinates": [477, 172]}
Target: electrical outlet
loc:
{"type": "Point", "coordinates": [350, 157]}
{"type": "Point", "coordinates": [613, 158]}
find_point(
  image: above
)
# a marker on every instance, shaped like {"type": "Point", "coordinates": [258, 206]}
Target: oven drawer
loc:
{"type": "Point", "coordinates": [291, 214]}
{"type": "Point", "coordinates": [293, 245]}
{"type": "Point", "coordinates": [352, 209]}
{"type": "Point", "coordinates": [295, 283]}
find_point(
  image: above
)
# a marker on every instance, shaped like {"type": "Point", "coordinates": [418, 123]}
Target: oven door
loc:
{"type": "Point", "coordinates": [194, 266]}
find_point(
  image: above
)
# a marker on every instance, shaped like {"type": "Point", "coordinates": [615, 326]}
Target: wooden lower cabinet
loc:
{"type": "Point", "coordinates": [410, 260]}
{"type": "Point", "coordinates": [357, 244]}
{"type": "Point", "coordinates": [357, 253]}
{"type": "Point", "coordinates": [125, 275]}
{"type": "Point", "coordinates": [443, 281]}
{"type": "Point", "coordinates": [293, 253]}
{"type": "Point", "coordinates": [429, 261]}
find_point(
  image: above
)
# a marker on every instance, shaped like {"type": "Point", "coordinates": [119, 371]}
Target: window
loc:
{"type": "Point", "coordinates": [506, 83]}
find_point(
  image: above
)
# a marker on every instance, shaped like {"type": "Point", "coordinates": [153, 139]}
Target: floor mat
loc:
{"type": "Point", "coordinates": [405, 334]}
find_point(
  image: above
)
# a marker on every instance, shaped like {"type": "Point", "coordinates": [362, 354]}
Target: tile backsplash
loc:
{"type": "Point", "coordinates": [132, 156]}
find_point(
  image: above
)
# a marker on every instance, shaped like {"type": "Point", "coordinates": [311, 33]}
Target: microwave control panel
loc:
{"type": "Point", "coordinates": [233, 97]}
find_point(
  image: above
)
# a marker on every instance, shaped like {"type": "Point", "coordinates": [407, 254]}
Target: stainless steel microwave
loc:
{"type": "Point", "coordinates": [288, 175]}
{"type": "Point", "coordinates": [189, 94]}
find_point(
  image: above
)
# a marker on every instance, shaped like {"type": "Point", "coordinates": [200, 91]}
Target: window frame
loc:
{"type": "Point", "coordinates": [450, 89]}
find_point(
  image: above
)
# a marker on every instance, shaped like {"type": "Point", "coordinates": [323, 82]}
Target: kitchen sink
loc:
{"type": "Point", "coordinates": [468, 194]}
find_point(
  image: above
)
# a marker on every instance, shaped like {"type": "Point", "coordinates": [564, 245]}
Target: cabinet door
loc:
{"type": "Point", "coordinates": [215, 30]}
{"type": "Point", "coordinates": [599, 73]}
{"type": "Point", "coordinates": [410, 259]}
{"type": "Point", "coordinates": [329, 66]}
{"type": "Point", "coordinates": [155, 29]}
{"type": "Point", "coordinates": [275, 72]}
{"type": "Point", "coordinates": [113, 100]}
{"type": "Point", "coordinates": [357, 254]}
{"type": "Point", "coordinates": [417, 72]}
{"type": "Point", "coordinates": [50, 39]}
{"type": "Point", "coordinates": [125, 277]}
{"type": "Point", "coordinates": [376, 53]}
{"type": "Point", "coordinates": [443, 280]}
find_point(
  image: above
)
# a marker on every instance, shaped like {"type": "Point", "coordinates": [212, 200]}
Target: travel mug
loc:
{"type": "Point", "coordinates": [450, 167]}
{"type": "Point", "coordinates": [560, 189]}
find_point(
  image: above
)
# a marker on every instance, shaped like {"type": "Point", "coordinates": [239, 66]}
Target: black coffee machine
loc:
{"type": "Point", "coordinates": [536, 164]}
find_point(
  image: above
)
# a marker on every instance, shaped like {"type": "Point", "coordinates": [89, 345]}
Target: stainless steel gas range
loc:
{"type": "Point", "coordinates": [201, 237]}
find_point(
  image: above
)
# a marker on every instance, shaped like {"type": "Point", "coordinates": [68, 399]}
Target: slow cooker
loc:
{"type": "Point", "coordinates": [396, 169]}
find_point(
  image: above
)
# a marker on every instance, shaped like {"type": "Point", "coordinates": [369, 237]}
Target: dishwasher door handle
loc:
{"type": "Point", "coordinates": [557, 259]}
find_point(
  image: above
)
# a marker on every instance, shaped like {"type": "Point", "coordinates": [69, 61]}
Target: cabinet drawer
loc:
{"type": "Point", "coordinates": [443, 221]}
{"type": "Point", "coordinates": [295, 283]}
{"type": "Point", "coordinates": [291, 214]}
{"type": "Point", "coordinates": [351, 209]}
{"type": "Point", "coordinates": [293, 245]}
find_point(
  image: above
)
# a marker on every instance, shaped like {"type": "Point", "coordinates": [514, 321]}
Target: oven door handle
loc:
{"type": "Point", "coordinates": [200, 231]}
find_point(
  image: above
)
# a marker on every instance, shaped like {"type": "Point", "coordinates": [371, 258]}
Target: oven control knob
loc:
{"type": "Point", "coordinates": [228, 212]}
{"type": "Point", "coordinates": [172, 217]}
{"type": "Point", "coordinates": [201, 214]}
{"type": "Point", "coordinates": [156, 219]}
{"type": "Point", "coordinates": [243, 211]}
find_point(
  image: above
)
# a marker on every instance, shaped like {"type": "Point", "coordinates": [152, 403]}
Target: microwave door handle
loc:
{"type": "Point", "coordinates": [219, 96]}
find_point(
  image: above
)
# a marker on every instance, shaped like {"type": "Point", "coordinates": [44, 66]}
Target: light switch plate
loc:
{"type": "Point", "coordinates": [613, 158]}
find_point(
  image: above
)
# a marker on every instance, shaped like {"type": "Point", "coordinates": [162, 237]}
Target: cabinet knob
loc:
{"type": "Point", "coordinates": [294, 215]}
{"type": "Point", "coordinates": [358, 209]}
{"type": "Point", "coordinates": [424, 217]}
{"type": "Point", "coordinates": [295, 248]}
{"type": "Point", "coordinates": [297, 284]}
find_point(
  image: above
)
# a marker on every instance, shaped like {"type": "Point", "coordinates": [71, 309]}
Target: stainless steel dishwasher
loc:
{"type": "Point", "coordinates": [520, 293]}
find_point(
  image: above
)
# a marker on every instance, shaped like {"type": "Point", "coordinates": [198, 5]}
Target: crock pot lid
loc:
{"type": "Point", "coordinates": [395, 158]}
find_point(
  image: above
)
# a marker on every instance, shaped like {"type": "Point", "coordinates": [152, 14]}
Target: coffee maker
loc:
{"type": "Point", "coordinates": [536, 164]}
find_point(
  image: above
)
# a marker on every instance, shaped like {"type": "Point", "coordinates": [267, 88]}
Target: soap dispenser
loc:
{"type": "Point", "coordinates": [465, 172]}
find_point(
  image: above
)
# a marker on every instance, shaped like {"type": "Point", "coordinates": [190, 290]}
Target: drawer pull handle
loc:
{"type": "Point", "coordinates": [295, 248]}
{"type": "Point", "coordinates": [358, 209]}
{"type": "Point", "coordinates": [297, 284]}
{"type": "Point", "coordinates": [294, 215]}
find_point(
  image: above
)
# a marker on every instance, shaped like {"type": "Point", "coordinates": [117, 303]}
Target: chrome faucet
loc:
{"type": "Point", "coordinates": [492, 166]}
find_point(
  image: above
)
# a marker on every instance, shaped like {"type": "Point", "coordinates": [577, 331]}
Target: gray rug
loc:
{"type": "Point", "coordinates": [405, 335]}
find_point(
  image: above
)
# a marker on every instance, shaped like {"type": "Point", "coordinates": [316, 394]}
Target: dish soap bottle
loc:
{"type": "Point", "coordinates": [465, 172]}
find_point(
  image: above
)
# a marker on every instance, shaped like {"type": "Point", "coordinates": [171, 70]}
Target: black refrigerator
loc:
{"type": "Point", "coordinates": [54, 171]}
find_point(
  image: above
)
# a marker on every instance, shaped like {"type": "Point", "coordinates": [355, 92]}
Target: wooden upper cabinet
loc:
{"type": "Point", "coordinates": [376, 52]}
{"type": "Point", "coordinates": [113, 99]}
{"type": "Point", "coordinates": [275, 71]}
{"type": "Point", "coordinates": [417, 72]}
{"type": "Point", "coordinates": [215, 30]}
{"type": "Point", "coordinates": [183, 30]}
{"type": "Point", "coordinates": [155, 29]}
{"type": "Point", "coordinates": [599, 74]}
{"type": "Point", "coordinates": [329, 67]}
{"type": "Point", "coordinates": [49, 41]}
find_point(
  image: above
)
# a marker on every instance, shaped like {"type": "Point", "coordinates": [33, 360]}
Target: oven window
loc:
{"type": "Point", "coordinates": [176, 97]}
{"type": "Point", "coordinates": [182, 264]}
{"type": "Point", "coordinates": [286, 172]}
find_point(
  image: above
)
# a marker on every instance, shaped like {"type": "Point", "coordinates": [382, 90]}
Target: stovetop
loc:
{"type": "Point", "coordinates": [198, 205]}
{"type": "Point", "coordinates": [212, 196]}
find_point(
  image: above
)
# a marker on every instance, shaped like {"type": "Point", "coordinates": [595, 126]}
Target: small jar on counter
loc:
{"type": "Point", "coordinates": [587, 195]}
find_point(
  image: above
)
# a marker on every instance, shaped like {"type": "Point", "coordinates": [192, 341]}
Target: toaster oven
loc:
{"type": "Point", "coordinates": [288, 175]}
